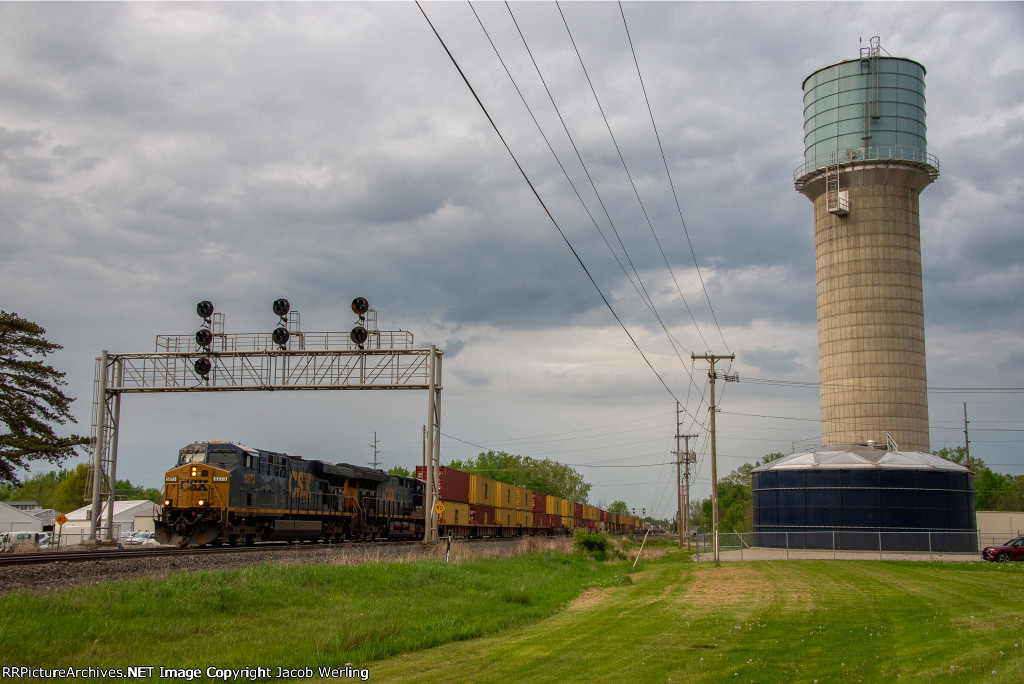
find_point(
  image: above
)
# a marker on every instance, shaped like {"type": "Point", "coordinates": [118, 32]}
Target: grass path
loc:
{"type": "Point", "coordinates": [765, 621]}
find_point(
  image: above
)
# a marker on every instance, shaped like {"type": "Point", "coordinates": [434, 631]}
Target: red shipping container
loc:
{"type": "Point", "coordinates": [540, 502]}
{"type": "Point", "coordinates": [482, 515]}
{"type": "Point", "coordinates": [556, 521]}
{"type": "Point", "coordinates": [577, 512]}
{"type": "Point", "coordinates": [454, 483]}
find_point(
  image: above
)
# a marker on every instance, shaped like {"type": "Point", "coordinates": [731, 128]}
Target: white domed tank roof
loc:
{"type": "Point", "coordinates": [855, 456]}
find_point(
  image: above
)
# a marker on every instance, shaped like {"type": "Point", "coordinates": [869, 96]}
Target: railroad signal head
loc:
{"type": "Point", "coordinates": [281, 336]}
{"type": "Point", "coordinates": [281, 307]}
{"type": "Point", "coordinates": [204, 308]}
{"type": "Point", "coordinates": [360, 306]}
{"type": "Point", "coordinates": [204, 338]}
{"type": "Point", "coordinates": [203, 367]}
{"type": "Point", "coordinates": [358, 335]}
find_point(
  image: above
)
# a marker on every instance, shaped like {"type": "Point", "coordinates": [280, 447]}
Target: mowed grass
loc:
{"type": "Point", "coordinates": [290, 616]}
{"type": "Point", "coordinates": [515, 620]}
{"type": "Point", "coordinates": [779, 621]}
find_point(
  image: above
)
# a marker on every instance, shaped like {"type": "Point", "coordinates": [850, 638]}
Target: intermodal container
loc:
{"type": "Point", "coordinates": [455, 513]}
{"type": "Point", "coordinates": [506, 497]}
{"type": "Point", "coordinates": [525, 499]}
{"type": "Point", "coordinates": [454, 483]}
{"type": "Point", "coordinates": [483, 491]}
{"type": "Point", "coordinates": [556, 521]}
{"type": "Point", "coordinates": [506, 517]}
{"type": "Point", "coordinates": [540, 503]}
{"type": "Point", "coordinates": [482, 515]}
{"type": "Point", "coordinates": [553, 506]}
{"type": "Point", "coordinates": [566, 508]}
{"type": "Point", "coordinates": [524, 518]}
{"type": "Point", "coordinates": [577, 512]}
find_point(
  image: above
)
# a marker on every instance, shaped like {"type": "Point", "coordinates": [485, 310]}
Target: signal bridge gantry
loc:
{"type": "Point", "coordinates": [286, 359]}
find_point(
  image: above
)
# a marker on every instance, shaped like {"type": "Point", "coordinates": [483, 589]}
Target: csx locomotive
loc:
{"type": "Point", "coordinates": [221, 492]}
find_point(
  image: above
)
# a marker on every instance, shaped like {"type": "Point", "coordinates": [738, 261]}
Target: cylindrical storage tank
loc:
{"type": "Point", "coordinates": [863, 109]}
{"type": "Point", "coordinates": [857, 497]}
{"type": "Point", "coordinates": [866, 165]}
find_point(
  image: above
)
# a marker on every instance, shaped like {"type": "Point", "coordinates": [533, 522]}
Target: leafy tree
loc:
{"type": "Point", "coordinates": [126, 491]}
{"type": "Point", "coordinates": [992, 491]}
{"type": "Point", "coordinates": [39, 488]}
{"type": "Point", "coordinates": [30, 399]}
{"type": "Point", "coordinates": [544, 476]}
{"type": "Point", "coordinates": [69, 494]}
{"type": "Point", "coordinates": [399, 470]}
{"type": "Point", "coordinates": [619, 507]}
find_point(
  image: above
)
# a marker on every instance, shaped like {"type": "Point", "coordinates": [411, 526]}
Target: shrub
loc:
{"type": "Point", "coordinates": [595, 544]}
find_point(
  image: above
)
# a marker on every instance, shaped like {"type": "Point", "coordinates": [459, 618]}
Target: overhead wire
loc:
{"type": "Point", "coordinates": [543, 205]}
{"type": "Point", "coordinates": [639, 286]}
{"type": "Point", "coordinates": [675, 194]}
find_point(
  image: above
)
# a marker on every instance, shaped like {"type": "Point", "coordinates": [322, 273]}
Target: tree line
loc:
{"type": "Point", "coordinates": [64, 490]}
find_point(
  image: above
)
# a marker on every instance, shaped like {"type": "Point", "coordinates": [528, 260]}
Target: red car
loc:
{"type": "Point", "coordinates": [1010, 551]}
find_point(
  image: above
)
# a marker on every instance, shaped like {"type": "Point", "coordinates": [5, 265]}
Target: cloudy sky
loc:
{"type": "Point", "coordinates": [156, 154]}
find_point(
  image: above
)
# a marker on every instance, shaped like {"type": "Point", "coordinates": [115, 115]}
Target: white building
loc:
{"type": "Point", "coordinates": [129, 516]}
{"type": "Point", "coordinates": [14, 520]}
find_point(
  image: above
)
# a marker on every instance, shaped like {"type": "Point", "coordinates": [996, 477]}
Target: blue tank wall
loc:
{"type": "Point", "coordinates": [912, 509]}
{"type": "Point", "coordinates": [834, 102]}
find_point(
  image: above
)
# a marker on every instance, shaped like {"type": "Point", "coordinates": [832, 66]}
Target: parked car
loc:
{"type": "Point", "coordinates": [141, 539]}
{"type": "Point", "coordinates": [46, 540]}
{"type": "Point", "coordinates": [1010, 551]}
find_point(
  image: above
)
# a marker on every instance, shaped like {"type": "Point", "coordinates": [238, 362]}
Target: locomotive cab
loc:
{"type": "Point", "coordinates": [198, 492]}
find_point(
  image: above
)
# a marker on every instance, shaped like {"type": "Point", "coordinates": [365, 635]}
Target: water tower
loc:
{"type": "Point", "coordinates": [866, 163]}
{"type": "Point", "coordinates": [873, 484]}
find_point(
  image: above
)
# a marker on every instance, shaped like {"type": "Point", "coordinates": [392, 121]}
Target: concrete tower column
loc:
{"type": "Point", "coordinates": [871, 346]}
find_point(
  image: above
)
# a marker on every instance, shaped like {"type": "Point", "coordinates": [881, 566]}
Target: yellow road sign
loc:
{"type": "Point", "coordinates": [61, 519]}
{"type": "Point", "coordinates": [439, 507]}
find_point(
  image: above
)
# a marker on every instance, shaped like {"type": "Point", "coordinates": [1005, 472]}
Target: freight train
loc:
{"type": "Point", "coordinates": [227, 493]}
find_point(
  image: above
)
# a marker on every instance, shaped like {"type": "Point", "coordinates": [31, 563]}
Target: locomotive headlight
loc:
{"type": "Point", "coordinates": [167, 502]}
{"type": "Point", "coordinates": [201, 502]}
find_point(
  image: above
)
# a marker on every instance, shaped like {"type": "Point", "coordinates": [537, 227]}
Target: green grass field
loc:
{"type": "Point", "coordinates": [548, 618]}
{"type": "Point", "coordinates": [769, 621]}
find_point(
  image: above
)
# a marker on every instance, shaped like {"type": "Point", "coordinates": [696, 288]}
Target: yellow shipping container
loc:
{"type": "Point", "coordinates": [506, 517]}
{"type": "Point", "coordinates": [483, 491]}
{"type": "Point", "coordinates": [455, 513]}
{"type": "Point", "coordinates": [507, 495]}
{"type": "Point", "coordinates": [567, 508]}
{"type": "Point", "coordinates": [526, 518]}
{"type": "Point", "coordinates": [553, 505]}
{"type": "Point", "coordinates": [525, 499]}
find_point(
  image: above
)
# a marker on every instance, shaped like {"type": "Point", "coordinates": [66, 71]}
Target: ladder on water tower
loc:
{"type": "Point", "coordinates": [837, 201]}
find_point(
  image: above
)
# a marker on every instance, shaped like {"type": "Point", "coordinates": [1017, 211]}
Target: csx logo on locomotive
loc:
{"type": "Point", "coordinates": [193, 486]}
{"type": "Point", "coordinates": [298, 483]}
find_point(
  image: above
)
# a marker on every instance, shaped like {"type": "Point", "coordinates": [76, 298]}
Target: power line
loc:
{"type": "Point", "coordinates": [533, 189]}
{"type": "Point", "coordinates": [674, 195]}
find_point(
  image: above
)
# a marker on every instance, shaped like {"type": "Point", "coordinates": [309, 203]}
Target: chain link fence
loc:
{"type": "Point", "coordinates": [845, 545]}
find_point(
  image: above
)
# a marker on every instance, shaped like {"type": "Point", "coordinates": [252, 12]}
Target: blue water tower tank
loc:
{"type": "Point", "coordinates": [864, 109]}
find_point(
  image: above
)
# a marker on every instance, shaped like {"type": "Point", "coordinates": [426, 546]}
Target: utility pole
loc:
{"type": "Point", "coordinates": [682, 518]}
{"type": "Point", "coordinates": [967, 442]}
{"type": "Point", "coordinates": [712, 358]}
{"type": "Point", "coordinates": [374, 445]}
{"type": "Point", "coordinates": [689, 458]}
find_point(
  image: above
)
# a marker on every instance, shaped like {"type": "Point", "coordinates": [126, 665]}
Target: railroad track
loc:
{"type": "Point", "coordinates": [42, 557]}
